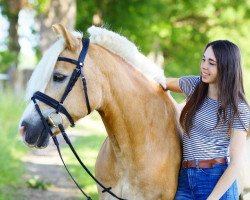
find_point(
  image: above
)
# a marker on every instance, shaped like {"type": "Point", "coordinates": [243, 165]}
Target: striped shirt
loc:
{"type": "Point", "coordinates": [206, 140]}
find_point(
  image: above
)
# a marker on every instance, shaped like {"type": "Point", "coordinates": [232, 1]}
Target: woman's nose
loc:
{"type": "Point", "coordinates": [204, 65]}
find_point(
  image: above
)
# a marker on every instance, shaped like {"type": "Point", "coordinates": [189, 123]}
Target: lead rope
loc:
{"type": "Point", "coordinates": [67, 140]}
{"type": "Point", "coordinates": [60, 155]}
{"type": "Point", "coordinates": [57, 146]}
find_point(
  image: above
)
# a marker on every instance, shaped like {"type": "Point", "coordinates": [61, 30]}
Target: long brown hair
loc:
{"type": "Point", "coordinates": [230, 86]}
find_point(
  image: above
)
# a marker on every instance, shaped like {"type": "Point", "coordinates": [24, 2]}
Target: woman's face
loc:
{"type": "Point", "coordinates": [209, 70]}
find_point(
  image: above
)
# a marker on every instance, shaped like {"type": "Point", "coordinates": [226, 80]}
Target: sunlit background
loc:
{"type": "Point", "coordinates": [172, 33]}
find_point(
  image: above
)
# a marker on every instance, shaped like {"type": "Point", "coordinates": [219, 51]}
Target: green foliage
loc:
{"type": "Point", "coordinates": [85, 12]}
{"type": "Point", "coordinates": [4, 7]}
{"type": "Point", "coordinates": [41, 6]}
{"type": "Point", "coordinates": [6, 59]}
{"type": "Point", "coordinates": [11, 148]}
{"type": "Point", "coordinates": [179, 29]}
{"type": "Point", "coordinates": [247, 82]}
{"type": "Point", "coordinates": [36, 183]}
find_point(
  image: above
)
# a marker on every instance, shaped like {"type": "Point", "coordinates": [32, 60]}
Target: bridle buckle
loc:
{"type": "Point", "coordinates": [54, 119]}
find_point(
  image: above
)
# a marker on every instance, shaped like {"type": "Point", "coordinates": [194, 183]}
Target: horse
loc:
{"type": "Point", "coordinates": [141, 155]}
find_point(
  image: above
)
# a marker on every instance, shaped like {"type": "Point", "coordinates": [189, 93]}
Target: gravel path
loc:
{"type": "Point", "coordinates": [47, 166]}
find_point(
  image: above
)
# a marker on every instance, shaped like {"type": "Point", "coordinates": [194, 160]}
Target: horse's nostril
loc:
{"type": "Point", "coordinates": [22, 131]}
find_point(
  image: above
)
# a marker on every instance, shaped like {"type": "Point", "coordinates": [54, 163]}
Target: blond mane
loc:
{"type": "Point", "coordinates": [127, 50]}
{"type": "Point", "coordinates": [114, 42]}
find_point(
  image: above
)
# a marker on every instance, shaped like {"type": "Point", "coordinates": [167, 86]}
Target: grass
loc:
{"type": "Point", "coordinates": [11, 148]}
{"type": "Point", "coordinates": [36, 183]}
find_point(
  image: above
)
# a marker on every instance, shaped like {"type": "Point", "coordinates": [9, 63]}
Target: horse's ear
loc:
{"type": "Point", "coordinates": [70, 40]}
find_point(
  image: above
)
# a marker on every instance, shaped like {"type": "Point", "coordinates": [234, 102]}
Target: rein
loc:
{"type": "Point", "coordinates": [59, 108]}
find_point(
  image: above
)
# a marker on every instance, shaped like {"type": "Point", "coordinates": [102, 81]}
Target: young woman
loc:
{"type": "Point", "coordinates": [215, 122]}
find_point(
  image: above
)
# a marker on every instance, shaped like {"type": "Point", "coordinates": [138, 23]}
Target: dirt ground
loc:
{"type": "Point", "coordinates": [46, 165]}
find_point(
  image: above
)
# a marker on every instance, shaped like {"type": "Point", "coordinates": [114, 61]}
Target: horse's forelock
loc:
{"type": "Point", "coordinates": [42, 73]}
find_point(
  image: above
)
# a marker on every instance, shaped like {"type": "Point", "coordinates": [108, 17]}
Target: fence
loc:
{"type": "Point", "coordinates": [16, 80]}
{"type": "Point", "coordinates": [3, 80]}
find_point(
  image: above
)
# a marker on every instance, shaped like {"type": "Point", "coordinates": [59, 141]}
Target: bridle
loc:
{"type": "Point", "coordinates": [59, 108]}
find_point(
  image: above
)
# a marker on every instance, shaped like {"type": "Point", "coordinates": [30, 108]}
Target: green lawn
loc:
{"type": "Point", "coordinates": [11, 147]}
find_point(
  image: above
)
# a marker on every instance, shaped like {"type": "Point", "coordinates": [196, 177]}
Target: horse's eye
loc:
{"type": "Point", "coordinates": [57, 77]}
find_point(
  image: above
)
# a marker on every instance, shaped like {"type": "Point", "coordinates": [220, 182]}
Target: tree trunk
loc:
{"type": "Point", "coordinates": [59, 11]}
{"type": "Point", "coordinates": [13, 44]}
{"type": "Point", "coordinates": [13, 9]}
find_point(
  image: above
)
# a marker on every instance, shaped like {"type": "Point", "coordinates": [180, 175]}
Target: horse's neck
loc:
{"type": "Point", "coordinates": [135, 112]}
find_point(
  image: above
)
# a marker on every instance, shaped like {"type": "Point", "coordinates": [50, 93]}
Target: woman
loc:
{"type": "Point", "coordinates": [215, 122]}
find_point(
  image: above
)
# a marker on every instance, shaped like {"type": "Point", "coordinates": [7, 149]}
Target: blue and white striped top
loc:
{"type": "Point", "coordinates": [206, 140]}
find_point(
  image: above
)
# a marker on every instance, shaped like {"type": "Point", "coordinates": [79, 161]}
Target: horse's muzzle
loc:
{"type": "Point", "coordinates": [34, 135]}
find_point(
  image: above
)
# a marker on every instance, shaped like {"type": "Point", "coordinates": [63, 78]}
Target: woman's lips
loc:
{"type": "Point", "coordinates": [204, 74]}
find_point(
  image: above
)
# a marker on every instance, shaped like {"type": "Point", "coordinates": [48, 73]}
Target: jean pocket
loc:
{"type": "Point", "coordinates": [216, 170]}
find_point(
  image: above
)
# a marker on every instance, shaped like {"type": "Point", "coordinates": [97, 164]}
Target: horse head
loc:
{"type": "Point", "coordinates": [52, 77]}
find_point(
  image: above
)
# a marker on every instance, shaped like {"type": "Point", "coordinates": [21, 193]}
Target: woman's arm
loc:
{"type": "Point", "coordinates": [237, 149]}
{"type": "Point", "coordinates": [173, 85]}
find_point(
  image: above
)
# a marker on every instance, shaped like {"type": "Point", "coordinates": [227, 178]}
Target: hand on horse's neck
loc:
{"type": "Point", "coordinates": [213, 91]}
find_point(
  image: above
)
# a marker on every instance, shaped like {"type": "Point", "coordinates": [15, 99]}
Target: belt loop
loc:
{"type": "Point", "coordinates": [196, 163]}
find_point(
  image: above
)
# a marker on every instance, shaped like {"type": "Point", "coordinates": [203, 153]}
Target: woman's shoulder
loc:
{"type": "Point", "coordinates": [188, 84]}
{"type": "Point", "coordinates": [191, 79]}
{"type": "Point", "coordinates": [242, 119]}
{"type": "Point", "coordinates": [243, 108]}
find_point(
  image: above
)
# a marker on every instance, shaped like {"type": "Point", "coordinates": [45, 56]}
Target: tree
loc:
{"type": "Point", "coordinates": [50, 12]}
{"type": "Point", "coordinates": [179, 29]}
{"type": "Point", "coordinates": [11, 9]}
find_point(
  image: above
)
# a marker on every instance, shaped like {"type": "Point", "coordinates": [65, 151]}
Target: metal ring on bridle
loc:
{"type": "Point", "coordinates": [55, 122]}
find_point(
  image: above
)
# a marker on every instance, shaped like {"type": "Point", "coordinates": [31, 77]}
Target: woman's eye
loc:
{"type": "Point", "coordinates": [57, 77]}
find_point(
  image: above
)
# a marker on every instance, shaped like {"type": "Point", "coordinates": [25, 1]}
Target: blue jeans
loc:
{"type": "Point", "coordinates": [197, 183]}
